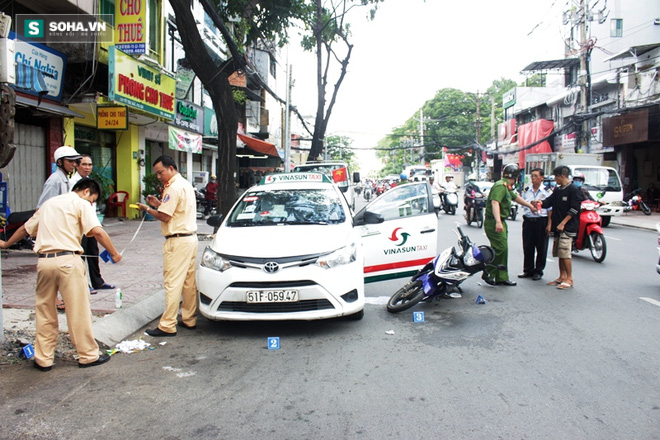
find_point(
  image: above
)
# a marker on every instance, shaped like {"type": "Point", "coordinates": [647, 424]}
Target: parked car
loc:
{"type": "Point", "coordinates": [290, 250]}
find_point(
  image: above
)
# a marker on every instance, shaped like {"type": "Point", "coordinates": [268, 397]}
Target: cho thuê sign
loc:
{"type": "Point", "coordinates": [112, 117]}
{"type": "Point", "coordinates": [139, 86]}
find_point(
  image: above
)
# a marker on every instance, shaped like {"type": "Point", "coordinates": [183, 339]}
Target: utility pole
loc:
{"type": "Point", "coordinates": [477, 124]}
{"type": "Point", "coordinates": [583, 77]}
{"type": "Point", "coordinates": [421, 136]}
{"type": "Point", "coordinates": [287, 121]}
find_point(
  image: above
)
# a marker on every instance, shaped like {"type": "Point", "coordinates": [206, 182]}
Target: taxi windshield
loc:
{"type": "Point", "coordinates": [295, 207]}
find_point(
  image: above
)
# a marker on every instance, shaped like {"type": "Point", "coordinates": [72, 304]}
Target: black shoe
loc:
{"type": "Point", "coordinates": [101, 360]}
{"type": "Point", "coordinates": [506, 283]}
{"type": "Point", "coordinates": [40, 368]}
{"type": "Point", "coordinates": [189, 327]}
{"type": "Point", "coordinates": [488, 280]}
{"type": "Point", "coordinates": [525, 275]}
{"type": "Point", "coordinates": [537, 276]}
{"type": "Point", "coordinates": [158, 332]}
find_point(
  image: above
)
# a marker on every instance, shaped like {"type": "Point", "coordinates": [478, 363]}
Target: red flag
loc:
{"type": "Point", "coordinates": [339, 175]}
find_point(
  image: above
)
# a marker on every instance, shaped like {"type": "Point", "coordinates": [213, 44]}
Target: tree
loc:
{"type": "Point", "coordinates": [266, 19]}
{"type": "Point", "coordinates": [329, 28]}
{"type": "Point", "coordinates": [339, 148]}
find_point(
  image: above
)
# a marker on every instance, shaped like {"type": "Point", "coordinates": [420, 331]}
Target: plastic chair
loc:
{"type": "Point", "coordinates": [118, 200]}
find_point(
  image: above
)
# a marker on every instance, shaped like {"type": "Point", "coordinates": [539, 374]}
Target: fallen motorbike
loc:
{"type": "Point", "coordinates": [590, 232]}
{"type": "Point", "coordinates": [475, 209]}
{"type": "Point", "coordinates": [634, 202]}
{"type": "Point", "coordinates": [449, 201]}
{"type": "Point", "coordinates": [443, 274]}
{"type": "Point", "coordinates": [10, 224]}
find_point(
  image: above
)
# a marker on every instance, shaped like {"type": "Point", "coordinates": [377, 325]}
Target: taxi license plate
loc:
{"type": "Point", "coordinates": [272, 296]}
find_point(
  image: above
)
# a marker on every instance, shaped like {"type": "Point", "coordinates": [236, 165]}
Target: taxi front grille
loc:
{"type": "Point", "coordinates": [291, 307]}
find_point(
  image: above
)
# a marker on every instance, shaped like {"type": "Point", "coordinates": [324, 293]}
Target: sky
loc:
{"type": "Point", "coordinates": [413, 48]}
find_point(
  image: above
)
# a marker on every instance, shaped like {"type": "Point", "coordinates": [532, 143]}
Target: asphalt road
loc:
{"type": "Point", "coordinates": [533, 363]}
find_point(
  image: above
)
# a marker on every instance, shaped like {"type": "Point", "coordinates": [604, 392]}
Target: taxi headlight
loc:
{"type": "Point", "coordinates": [214, 260]}
{"type": "Point", "coordinates": [345, 255]}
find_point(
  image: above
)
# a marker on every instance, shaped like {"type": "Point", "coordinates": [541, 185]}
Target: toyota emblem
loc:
{"type": "Point", "coordinates": [271, 267]}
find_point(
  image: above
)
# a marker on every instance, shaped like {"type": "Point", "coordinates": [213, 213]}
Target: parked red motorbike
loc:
{"type": "Point", "coordinates": [10, 224]}
{"type": "Point", "coordinates": [590, 232]}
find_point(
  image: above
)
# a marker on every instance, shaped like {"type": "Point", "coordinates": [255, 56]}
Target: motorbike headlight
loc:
{"type": "Point", "coordinates": [345, 255]}
{"type": "Point", "coordinates": [214, 260]}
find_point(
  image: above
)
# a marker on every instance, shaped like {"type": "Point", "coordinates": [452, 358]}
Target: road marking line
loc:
{"type": "Point", "coordinates": [377, 300]}
{"type": "Point", "coordinates": [612, 238]}
{"type": "Point", "coordinates": [650, 300]}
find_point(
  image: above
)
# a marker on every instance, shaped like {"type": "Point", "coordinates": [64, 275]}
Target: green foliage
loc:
{"type": "Point", "coordinates": [339, 148]}
{"type": "Point", "coordinates": [536, 80]}
{"type": "Point", "coordinates": [152, 185]}
{"type": "Point", "coordinates": [239, 96]}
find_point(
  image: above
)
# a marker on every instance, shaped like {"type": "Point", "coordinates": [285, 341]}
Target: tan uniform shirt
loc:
{"type": "Point", "coordinates": [180, 204]}
{"type": "Point", "coordinates": [61, 222]}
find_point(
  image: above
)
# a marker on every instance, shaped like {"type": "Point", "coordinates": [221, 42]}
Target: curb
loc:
{"type": "Point", "coordinates": [122, 323]}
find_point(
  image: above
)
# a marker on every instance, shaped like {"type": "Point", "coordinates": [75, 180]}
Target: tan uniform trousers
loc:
{"type": "Point", "coordinates": [66, 274]}
{"type": "Point", "coordinates": [179, 255]}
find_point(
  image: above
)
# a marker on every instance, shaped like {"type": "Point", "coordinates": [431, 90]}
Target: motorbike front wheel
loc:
{"type": "Point", "coordinates": [480, 217]}
{"type": "Point", "coordinates": [452, 210]}
{"type": "Point", "coordinates": [645, 208]}
{"type": "Point", "coordinates": [598, 247]}
{"type": "Point", "coordinates": [406, 297]}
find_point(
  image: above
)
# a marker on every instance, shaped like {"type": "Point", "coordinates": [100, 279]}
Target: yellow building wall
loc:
{"type": "Point", "coordinates": [128, 178]}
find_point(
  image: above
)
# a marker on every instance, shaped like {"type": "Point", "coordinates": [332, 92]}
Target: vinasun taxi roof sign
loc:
{"type": "Point", "coordinates": [294, 177]}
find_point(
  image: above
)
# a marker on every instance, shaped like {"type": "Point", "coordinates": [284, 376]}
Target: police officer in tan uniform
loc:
{"type": "Point", "coordinates": [59, 226]}
{"type": "Point", "coordinates": [177, 212]}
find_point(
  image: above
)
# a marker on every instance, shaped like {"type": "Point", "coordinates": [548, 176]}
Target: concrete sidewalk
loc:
{"type": "Point", "coordinates": [140, 276]}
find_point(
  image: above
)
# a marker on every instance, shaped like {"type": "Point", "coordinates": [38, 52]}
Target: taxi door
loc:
{"type": "Point", "coordinates": [399, 232]}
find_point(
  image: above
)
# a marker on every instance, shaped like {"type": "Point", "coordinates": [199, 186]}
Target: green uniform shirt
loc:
{"type": "Point", "coordinates": [501, 193]}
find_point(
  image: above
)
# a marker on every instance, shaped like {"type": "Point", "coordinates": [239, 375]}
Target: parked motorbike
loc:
{"type": "Point", "coordinates": [367, 193]}
{"type": "Point", "coordinates": [634, 202]}
{"type": "Point", "coordinates": [201, 202]}
{"type": "Point", "coordinates": [475, 209]}
{"type": "Point", "coordinates": [449, 201]}
{"type": "Point", "coordinates": [10, 224]}
{"type": "Point", "coordinates": [443, 275]}
{"type": "Point", "coordinates": [590, 232]}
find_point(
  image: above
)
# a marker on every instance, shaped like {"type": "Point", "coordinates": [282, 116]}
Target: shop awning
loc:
{"type": "Point", "coordinates": [259, 146]}
{"type": "Point", "coordinates": [633, 52]}
{"type": "Point", "coordinates": [551, 64]}
{"type": "Point", "coordinates": [56, 109]}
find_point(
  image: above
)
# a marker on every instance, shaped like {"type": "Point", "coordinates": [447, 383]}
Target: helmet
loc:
{"type": "Point", "coordinates": [578, 175]}
{"type": "Point", "coordinates": [66, 152]}
{"type": "Point", "coordinates": [511, 171]}
{"type": "Point", "coordinates": [449, 176]}
{"type": "Point", "coordinates": [403, 176]}
{"type": "Point", "coordinates": [212, 176]}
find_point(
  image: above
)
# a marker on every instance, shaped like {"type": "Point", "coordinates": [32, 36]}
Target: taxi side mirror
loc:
{"type": "Point", "coordinates": [371, 218]}
{"type": "Point", "coordinates": [215, 221]}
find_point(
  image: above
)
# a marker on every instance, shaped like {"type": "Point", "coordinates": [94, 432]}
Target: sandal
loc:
{"type": "Point", "coordinates": [106, 286]}
{"type": "Point", "coordinates": [564, 286]}
{"type": "Point", "coordinates": [554, 283]}
{"type": "Point", "coordinates": [60, 305]}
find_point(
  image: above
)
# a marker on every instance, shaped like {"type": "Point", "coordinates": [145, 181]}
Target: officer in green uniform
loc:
{"type": "Point", "coordinates": [497, 210]}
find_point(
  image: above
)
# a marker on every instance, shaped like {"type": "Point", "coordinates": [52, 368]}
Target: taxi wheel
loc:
{"type": "Point", "coordinates": [406, 297]}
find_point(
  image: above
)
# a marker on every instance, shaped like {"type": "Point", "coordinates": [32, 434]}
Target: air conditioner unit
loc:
{"type": "Point", "coordinates": [633, 80]}
{"type": "Point", "coordinates": [200, 179]}
{"type": "Point", "coordinates": [7, 61]}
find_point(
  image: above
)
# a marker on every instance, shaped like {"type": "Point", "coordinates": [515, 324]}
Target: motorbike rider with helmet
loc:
{"type": "Point", "coordinates": [578, 182]}
{"type": "Point", "coordinates": [498, 206]}
{"type": "Point", "coordinates": [471, 189]}
{"type": "Point", "coordinates": [58, 183]}
{"type": "Point", "coordinates": [448, 186]}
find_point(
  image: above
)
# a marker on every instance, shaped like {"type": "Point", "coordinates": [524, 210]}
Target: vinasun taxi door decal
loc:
{"type": "Point", "coordinates": [402, 234]}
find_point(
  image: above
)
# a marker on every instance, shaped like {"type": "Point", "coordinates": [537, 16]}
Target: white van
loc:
{"type": "Point", "coordinates": [339, 172]}
{"type": "Point", "coordinates": [604, 185]}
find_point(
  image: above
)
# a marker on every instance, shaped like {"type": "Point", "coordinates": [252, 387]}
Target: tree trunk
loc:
{"type": "Point", "coordinates": [216, 82]}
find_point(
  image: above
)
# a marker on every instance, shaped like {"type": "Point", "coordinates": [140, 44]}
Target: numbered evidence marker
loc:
{"type": "Point", "coordinates": [274, 343]}
{"type": "Point", "coordinates": [418, 316]}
